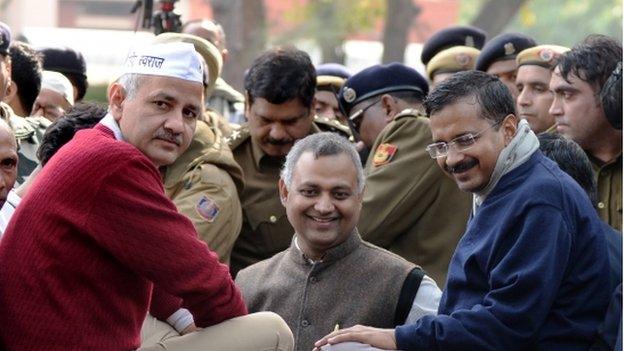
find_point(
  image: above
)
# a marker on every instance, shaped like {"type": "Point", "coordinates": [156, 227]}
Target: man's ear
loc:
{"type": "Point", "coordinates": [283, 191]}
{"type": "Point", "coordinates": [116, 97]}
{"type": "Point", "coordinates": [390, 107]}
{"type": "Point", "coordinates": [510, 127]}
{"type": "Point", "coordinates": [11, 93]}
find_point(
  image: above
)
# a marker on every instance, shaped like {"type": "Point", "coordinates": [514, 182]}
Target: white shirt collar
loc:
{"type": "Point", "coordinates": [311, 261]}
{"type": "Point", "coordinates": [109, 122]}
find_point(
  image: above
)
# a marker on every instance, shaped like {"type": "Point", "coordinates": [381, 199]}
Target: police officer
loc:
{"type": "Point", "coordinates": [279, 90]}
{"type": "Point", "coordinates": [205, 181]}
{"type": "Point", "coordinates": [451, 50]}
{"type": "Point", "coordinates": [498, 57]}
{"type": "Point", "coordinates": [409, 206]}
{"type": "Point", "coordinates": [535, 66]}
{"type": "Point", "coordinates": [329, 79]}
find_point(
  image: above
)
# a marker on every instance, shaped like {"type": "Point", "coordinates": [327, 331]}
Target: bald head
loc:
{"type": "Point", "coordinates": [208, 30]}
{"type": "Point", "coordinates": [8, 160]}
{"type": "Point", "coordinates": [6, 134]}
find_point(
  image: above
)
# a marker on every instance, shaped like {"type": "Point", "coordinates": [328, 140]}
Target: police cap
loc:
{"type": "Point", "coordinates": [541, 55]}
{"type": "Point", "coordinates": [377, 80]}
{"type": "Point", "coordinates": [332, 74]}
{"type": "Point", "coordinates": [503, 47]}
{"type": "Point", "coordinates": [452, 36]}
{"type": "Point", "coordinates": [5, 38]}
{"type": "Point", "coordinates": [455, 59]}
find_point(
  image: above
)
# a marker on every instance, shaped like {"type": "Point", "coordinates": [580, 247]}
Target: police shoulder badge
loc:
{"type": "Point", "coordinates": [384, 154]}
{"type": "Point", "coordinates": [207, 208]}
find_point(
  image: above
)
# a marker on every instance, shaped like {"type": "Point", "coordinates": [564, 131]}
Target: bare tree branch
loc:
{"type": "Point", "coordinates": [399, 17]}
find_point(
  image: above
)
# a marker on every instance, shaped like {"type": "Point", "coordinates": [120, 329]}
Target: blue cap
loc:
{"type": "Point", "coordinates": [503, 47]}
{"type": "Point", "coordinates": [378, 80]}
{"type": "Point", "coordinates": [5, 38]}
{"type": "Point", "coordinates": [452, 36]}
{"type": "Point", "coordinates": [333, 69]}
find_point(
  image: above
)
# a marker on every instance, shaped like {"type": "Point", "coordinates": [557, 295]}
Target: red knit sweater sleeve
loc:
{"type": "Point", "coordinates": [133, 219]}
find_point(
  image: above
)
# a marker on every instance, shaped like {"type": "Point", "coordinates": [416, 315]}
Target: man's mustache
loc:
{"type": "Point", "coordinates": [169, 136]}
{"type": "Point", "coordinates": [279, 141]}
{"type": "Point", "coordinates": [461, 167]}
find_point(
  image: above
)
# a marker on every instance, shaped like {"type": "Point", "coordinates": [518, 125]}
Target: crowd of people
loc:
{"type": "Point", "coordinates": [476, 207]}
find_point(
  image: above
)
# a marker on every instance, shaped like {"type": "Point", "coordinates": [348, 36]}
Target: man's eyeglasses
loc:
{"type": "Point", "coordinates": [356, 118]}
{"type": "Point", "coordinates": [461, 143]}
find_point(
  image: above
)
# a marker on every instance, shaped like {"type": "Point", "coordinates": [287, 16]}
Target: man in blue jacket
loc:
{"type": "Point", "coordinates": [531, 270]}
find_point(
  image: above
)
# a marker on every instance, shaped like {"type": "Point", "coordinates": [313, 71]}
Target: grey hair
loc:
{"type": "Point", "coordinates": [130, 83]}
{"type": "Point", "coordinates": [322, 144]}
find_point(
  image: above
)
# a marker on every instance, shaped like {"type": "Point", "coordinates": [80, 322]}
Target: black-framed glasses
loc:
{"type": "Point", "coordinates": [461, 143]}
{"type": "Point", "coordinates": [356, 117]}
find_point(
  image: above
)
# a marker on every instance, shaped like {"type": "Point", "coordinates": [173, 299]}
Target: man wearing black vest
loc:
{"type": "Point", "coordinates": [329, 278]}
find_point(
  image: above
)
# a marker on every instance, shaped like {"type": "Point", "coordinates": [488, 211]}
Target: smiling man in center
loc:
{"type": "Point", "coordinates": [329, 276]}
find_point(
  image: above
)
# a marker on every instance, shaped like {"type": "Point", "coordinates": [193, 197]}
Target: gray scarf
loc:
{"type": "Point", "coordinates": [519, 150]}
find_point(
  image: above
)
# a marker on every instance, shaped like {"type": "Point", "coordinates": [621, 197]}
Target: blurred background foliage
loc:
{"type": "Point", "coordinates": [562, 22]}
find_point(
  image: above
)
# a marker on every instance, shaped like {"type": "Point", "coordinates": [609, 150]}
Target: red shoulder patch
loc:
{"type": "Point", "coordinates": [384, 154]}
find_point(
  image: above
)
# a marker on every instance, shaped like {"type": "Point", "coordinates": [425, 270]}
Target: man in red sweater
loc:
{"type": "Point", "coordinates": [96, 243]}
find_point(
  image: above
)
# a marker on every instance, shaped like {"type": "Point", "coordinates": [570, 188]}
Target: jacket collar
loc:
{"type": "Point", "coordinates": [332, 255]}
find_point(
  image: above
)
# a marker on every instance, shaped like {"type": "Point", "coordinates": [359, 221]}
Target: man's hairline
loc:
{"type": "Point", "coordinates": [316, 157]}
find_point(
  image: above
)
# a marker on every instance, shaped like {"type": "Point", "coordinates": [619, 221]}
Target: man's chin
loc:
{"type": "Point", "coordinates": [163, 160]}
{"type": "Point", "coordinates": [276, 150]}
{"type": "Point", "coordinates": [469, 184]}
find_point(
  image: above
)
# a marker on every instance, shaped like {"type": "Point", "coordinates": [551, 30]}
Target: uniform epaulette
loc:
{"type": "Point", "coordinates": [332, 125]}
{"type": "Point", "coordinates": [38, 122]}
{"type": "Point", "coordinates": [22, 128]}
{"type": "Point", "coordinates": [409, 112]}
{"type": "Point", "coordinates": [239, 134]}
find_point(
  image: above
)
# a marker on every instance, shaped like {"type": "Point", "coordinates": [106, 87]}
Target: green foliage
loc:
{"type": "Point", "coordinates": [322, 19]}
{"type": "Point", "coordinates": [97, 93]}
{"type": "Point", "coordinates": [561, 22]}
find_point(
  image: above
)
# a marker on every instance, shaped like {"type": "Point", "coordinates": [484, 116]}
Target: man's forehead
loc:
{"type": "Point", "coordinates": [502, 66]}
{"type": "Point", "coordinates": [286, 110]}
{"type": "Point", "coordinates": [533, 73]}
{"type": "Point", "coordinates": [160, 85]}
{"type": "Point", "coordinates": [557, 81]}
{"type": "Point", "coordinates": [460, 117]}
{"type": "Point", "coordinates": [312, 170]}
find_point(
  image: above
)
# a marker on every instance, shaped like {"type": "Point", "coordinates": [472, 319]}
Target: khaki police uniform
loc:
{"type": "Point", "coordinates": [609, 181]}
{"type": "Point", "coordinates": [204, 183]}
{"type": "Point", "coordinates": [266, 230]}
{"type": "Point", "coordinates": [28, 133]}
{"type": "Point", "coordinates": [410, 206]}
